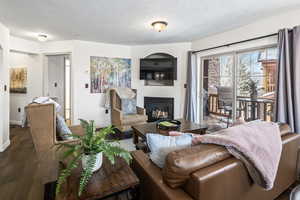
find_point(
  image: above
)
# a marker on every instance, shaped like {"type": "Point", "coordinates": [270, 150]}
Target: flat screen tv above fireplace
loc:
{"type": "Point", "coordinates": [158, 68]}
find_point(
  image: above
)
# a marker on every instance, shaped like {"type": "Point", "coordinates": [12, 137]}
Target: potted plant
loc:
{"type": "Point", "coordinates": [89, 150]}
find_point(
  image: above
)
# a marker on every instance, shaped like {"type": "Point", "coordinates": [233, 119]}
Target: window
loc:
{"type": "Point", "coordinates": [256, 84]}
{"type": "Point", "coordinates": [239, 84]}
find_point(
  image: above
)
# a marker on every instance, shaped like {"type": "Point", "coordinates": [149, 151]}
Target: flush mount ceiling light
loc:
{"type": "Point", "coordinates": [42, 37]}
{"type": "Point", "coordinates": [159, 25]}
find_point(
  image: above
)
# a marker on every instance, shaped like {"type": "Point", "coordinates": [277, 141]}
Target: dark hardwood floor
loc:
{"type": "Point", "coordinates": [19, 177]}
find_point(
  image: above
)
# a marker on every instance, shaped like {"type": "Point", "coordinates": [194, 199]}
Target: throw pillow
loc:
{"type": "Point", "coordinates": [62, 128]}
{"type": "Point", "coordinates": [160, 146]}
{"type": "Point", "coordinates": [128, 106]}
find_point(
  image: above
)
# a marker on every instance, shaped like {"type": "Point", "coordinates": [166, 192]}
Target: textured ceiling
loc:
{"type": "Point", "coordinates": [128, 21]}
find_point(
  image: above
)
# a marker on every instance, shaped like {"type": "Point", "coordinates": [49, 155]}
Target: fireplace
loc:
{"type": "Point", "coordinates": [159, 108]}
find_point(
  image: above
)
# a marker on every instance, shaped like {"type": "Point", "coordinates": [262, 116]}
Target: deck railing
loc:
{"type": "Point", "coordinates": [261, 108]}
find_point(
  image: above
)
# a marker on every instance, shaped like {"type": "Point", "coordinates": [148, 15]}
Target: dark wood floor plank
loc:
{"type": "Point", "coordinates": [19, 178]}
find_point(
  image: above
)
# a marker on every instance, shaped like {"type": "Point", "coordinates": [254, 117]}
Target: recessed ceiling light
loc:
{"type": "Point", "coordinates": [42, 37]}
{"type": "Point", "coordinates": [159, 25]}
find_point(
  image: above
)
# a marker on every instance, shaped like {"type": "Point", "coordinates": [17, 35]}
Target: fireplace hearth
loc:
{"type": "Point", "coordinates": [159, 108]}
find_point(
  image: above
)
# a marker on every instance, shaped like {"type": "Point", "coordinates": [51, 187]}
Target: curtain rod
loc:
{"type": "Point", "coordinates": [234, 43]}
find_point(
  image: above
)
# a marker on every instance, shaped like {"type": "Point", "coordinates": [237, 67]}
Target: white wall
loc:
{"type": "Point", "coordinates": [58, 47]}
{"type": "Point", "coordinates": [177, 91]}
{"type": "Point", "coordinates": [4, 95]}
{"type": "Point", "coordinates": [25, 46]}
{"type": "Point", "coordinates": [25, 53]}
{"type": "Point", "coordinates": [34, 83]}
{"type": "Point", "coordinates": [90, 106]}
{"type": "Point", "coordinates": [85, 104]}
{"type": "Point", "coordinates": [265, 26]}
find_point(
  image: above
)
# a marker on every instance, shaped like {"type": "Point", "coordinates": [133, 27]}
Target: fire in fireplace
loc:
{"type": "Point", "coordinates": [159, 108]}
{"type": "Point", "coordinates": [159, 114]}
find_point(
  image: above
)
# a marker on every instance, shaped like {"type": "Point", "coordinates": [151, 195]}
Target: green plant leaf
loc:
{"type": "Point", "coordinates": [83, 123]}
{"type": "Point", "coordinates": [71, 151]}
{"type": "Point", "coordinates": [65, 145]}
{"type": "Point", "coordinates": [87, 173]}
{"type": "Point", "coordinates": [75, 136]}
{"type": "Point", "coordinates": [67, 172]}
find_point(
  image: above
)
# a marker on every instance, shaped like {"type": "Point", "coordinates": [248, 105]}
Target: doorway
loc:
{"type": "Point", "coordinates": [58, 82]}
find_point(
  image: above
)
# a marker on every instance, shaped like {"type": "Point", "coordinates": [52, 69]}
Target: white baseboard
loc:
{"type": "Point", "coordinates": [15, 122]}
{"type": "Point", "coordinates": [4, 146]}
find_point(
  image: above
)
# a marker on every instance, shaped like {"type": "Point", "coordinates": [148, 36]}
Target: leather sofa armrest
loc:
{"type": "Point", "coordinates": [140, 111]}
{"type": "Point", "coordinates": [151, 180]}
{"type": "Point", "coordinates": [228, 177]}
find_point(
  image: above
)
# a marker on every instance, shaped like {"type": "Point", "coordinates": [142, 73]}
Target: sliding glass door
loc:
{"type": "Point", "coordinates": [238, 85]}
{"type": "Point", "coordinates": [256, 80]}
{"type": "Point", "coordinates": [218, 89]}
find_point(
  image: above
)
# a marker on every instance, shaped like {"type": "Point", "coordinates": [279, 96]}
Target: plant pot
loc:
{"type": "Point", "coordinates": [98, 162]}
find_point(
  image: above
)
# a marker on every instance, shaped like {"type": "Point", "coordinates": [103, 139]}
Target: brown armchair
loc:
{"type": "Point", "coordinates": [121, 121]}
{"type": "Point", "coordinates": [42, 123]}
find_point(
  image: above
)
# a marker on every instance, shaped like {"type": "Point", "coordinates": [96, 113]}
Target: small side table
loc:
{"type": "Point", "coordinates": [109, 181]}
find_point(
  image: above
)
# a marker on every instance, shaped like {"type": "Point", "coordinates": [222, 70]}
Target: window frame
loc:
{"type": "Point", "coordinates": [235, 76]}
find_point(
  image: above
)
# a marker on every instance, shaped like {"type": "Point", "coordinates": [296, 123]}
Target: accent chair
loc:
{"type": "Point", "coordinates": [42, 122]}
{"type": "Point", "coordinates": [122, 121]}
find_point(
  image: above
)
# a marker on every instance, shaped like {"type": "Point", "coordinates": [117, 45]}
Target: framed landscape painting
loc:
{"type": "Point", "coordinates": [18, 80]}
{"type": "Point", "coordinates": [109, 73]}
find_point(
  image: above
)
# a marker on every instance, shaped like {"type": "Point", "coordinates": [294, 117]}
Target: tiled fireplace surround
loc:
{"type": "Point", "coordinates": [159, 108]}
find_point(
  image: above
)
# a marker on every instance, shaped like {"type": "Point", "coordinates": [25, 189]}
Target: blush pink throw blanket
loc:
{"type": "Point", "coordinates": [257, 144]}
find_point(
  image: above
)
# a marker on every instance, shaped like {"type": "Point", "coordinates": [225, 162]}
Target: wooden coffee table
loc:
{"type": "Point", "coordinates": [109, 181]}
{"type": "Point", "coordinates": [140, 131]}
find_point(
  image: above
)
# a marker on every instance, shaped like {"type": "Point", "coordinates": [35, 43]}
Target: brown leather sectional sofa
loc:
{"type": "Point", "coordinates": [209, 172]}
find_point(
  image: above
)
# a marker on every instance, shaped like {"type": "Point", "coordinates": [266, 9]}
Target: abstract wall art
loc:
{"type": "Point", "coordinates": [18, 80]}
{"type": "Point", "coordinates": [109, 73]}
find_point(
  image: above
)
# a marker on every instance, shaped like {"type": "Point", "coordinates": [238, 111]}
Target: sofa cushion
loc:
{"type": "Point", "coordinates": [128, 106]}
{"type": "Point", "coordinates": [134, 119]}
{"type": "Point", "coordinates": [62, 128]}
